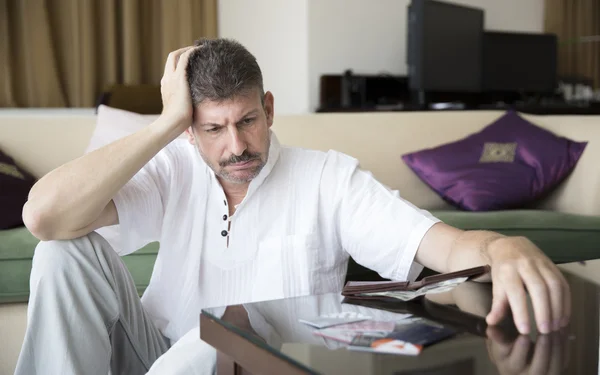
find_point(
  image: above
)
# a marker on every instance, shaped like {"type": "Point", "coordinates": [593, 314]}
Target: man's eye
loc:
{"type": "Point", "coordinates": [212, 130]}
{"type": "Point", "coordinates": [248, 121]}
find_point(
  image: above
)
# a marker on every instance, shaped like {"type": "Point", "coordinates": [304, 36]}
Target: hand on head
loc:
{"type": "Point", "coordinates": [175, 91]}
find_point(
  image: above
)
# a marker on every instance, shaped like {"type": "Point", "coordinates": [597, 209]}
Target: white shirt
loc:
{"type": "Point", "coordinates": [292, 235]}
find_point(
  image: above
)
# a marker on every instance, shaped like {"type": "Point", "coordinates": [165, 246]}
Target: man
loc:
{"type": "Point", "coordinates": [239, 219]}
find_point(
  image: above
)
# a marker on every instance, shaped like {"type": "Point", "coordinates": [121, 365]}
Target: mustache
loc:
{"type": "Point", "coordinates": [234, 159]}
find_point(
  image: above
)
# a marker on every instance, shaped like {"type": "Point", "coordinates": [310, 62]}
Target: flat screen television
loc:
{"type": "Point", "coordinates": [444, 46]}
{"type": "Point", "coordinates": [523, 62]}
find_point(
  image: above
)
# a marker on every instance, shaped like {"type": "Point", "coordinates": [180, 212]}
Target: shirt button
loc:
{"type": "Point", "coordinates": [225, 202]}
{"type": "Point", "coordinates": [224, 233]}
{"type": "Point", "coordinates": [224, 217]}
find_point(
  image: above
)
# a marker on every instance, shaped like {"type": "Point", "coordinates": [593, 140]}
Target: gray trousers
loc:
{"type": "Point", "coordinates": [85, 317]}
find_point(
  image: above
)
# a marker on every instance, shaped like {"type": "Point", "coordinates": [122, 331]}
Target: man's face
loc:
{"type": "Point", "coordinates": [233, 136]}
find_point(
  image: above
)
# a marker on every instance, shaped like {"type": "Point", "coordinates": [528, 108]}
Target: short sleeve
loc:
{"type": "Point", "coordinates": [378, 228]}
{"type": "Point", "coordinates": [141, 204]}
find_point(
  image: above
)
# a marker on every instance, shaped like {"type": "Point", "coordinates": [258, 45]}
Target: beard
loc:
{"type": "Point", "coordinates": [239, 177]}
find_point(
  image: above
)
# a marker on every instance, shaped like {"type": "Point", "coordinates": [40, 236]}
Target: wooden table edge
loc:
{"type": "Point", "coordinates": [235, 352]}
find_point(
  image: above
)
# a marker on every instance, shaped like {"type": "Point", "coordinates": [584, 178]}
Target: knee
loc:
{"type": "Point", "coordinates": [61, 256]}
{"type": "Point", "coordinates": [51, 257]}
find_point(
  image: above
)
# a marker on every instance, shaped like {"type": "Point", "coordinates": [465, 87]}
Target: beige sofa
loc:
{"type": "Point", "coordinates": [42, 140]}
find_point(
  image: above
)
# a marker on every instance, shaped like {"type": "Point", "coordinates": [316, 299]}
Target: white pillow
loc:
{"type": "Point", "coordinates": [111, 125]}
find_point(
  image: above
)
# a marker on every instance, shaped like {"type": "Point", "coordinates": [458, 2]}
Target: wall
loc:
{"type": "Point", "coordinates": [276, 33]}
{"type": "Point", "coordinates": [370, 37]}
{"type": "Point", "coordinates": [367, 37]}
{"type": "Point", "coordinates": [296, 41]}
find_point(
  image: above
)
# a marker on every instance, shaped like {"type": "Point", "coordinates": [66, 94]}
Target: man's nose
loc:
{"type": "Point", "coordinates": [237, 142]}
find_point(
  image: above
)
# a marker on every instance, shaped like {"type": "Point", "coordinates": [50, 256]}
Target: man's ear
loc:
{"type": "Point", "coordinates": [269, 108]}
{"type": "Point", "coordinates": [190, 134]}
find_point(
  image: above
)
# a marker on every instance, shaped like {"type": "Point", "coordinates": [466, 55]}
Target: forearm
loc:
{"type": "Point", "coordinates": [75, 194]}
{"type": "Point", "coordinates": [472, 249]}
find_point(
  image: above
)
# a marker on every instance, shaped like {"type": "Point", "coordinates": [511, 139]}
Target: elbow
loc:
{"type": "Point", "coordinates": [36, 222]}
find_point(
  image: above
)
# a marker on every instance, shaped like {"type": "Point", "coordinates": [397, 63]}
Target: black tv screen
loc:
{"type": "Point", "coordinates": [444, 46]}
{"type": "Point", "coordinates": [519, 62]}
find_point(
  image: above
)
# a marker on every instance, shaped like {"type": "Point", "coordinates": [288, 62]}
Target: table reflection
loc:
{"type": "Point", "coordinates": [511, 352]}
{"type": "Point", "coordinates": [276, 323]}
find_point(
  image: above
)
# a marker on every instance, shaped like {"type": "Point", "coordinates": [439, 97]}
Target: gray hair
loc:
{"type": "Point", "coordinates": [222, 69]}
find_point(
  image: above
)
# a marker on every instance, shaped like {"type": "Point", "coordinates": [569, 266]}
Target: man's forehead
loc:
{"type": "Point", "coordinates": [226, 110]}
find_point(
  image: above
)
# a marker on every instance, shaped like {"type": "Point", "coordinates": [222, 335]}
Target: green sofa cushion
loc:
{"type": "Point", "coordinates": [562, 237]}
{"type": "Point", "coordinates": [16, 251]}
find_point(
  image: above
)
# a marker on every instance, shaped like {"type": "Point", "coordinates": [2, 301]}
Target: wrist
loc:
{"type": "Point", "coordinates": [498, 245]}
{"type": "Point", "coordinates": [169, 127]}
{"type": "Point", "coordinates": [176, 121]}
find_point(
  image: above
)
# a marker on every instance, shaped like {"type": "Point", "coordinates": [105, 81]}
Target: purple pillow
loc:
{"type": "Point", "coordinates": [15, 184]}
{"type": "Point", "coordinates": [508, 164]}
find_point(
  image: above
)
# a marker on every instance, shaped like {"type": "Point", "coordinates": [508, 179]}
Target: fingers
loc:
{"type": "Point", "coordinates": [557, 294]}
{"type": "Point", "coordinates": [173, 58]}
{"type": "Point", "coordinates": [175, 90]}
{"type": "Point", "coordinates": [499, 304]}
{"type": "Point", "coordinates": [549, 292]}
{"type": "Point", "coordinates": [184, 58]}
{"type": "Point", "coordinates": [512, 287]}
{"type": "Point", "coordinates": [538, 291]}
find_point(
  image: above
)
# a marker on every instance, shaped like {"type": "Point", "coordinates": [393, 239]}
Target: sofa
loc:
{"type": "Point", "coordinates": [565, 224]}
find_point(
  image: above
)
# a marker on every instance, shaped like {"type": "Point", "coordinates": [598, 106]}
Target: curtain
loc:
{"type": "Point", "coordinates": [577, 24]}
{"type": "Point", "coordinates": [65, 53]}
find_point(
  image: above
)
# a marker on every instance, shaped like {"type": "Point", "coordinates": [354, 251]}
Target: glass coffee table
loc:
{"type": "Point", "coordinates": [269, 338]}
